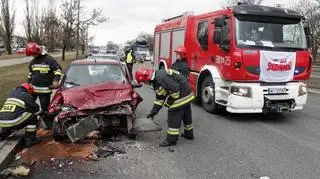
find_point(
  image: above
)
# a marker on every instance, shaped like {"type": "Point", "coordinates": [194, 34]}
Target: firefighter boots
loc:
{"type": "Point", "coordinates": [30, 137]}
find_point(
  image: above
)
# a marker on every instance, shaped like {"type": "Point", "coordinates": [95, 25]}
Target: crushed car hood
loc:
{"type": "Point", "coordinates": [97, 96]}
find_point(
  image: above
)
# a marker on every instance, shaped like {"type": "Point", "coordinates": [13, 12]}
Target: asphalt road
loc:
{"type": "Point", "coordinates": [229, 146]}
{"type": "Point", "coordinates": [15, 61]}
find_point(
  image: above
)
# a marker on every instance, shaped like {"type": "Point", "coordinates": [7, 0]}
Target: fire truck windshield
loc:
{"type": "Point", "coordinates": [273, 33]}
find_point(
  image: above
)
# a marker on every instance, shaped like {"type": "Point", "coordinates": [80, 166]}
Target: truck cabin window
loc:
{"type": "Point", "coordinates": [271, 33]}
{"type": "Point", "coordinates": [202, 35]}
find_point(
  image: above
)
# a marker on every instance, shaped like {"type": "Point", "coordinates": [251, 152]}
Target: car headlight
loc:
{"type": "Point", "coordinates": [303, 89]}
{"type": "Point", "coordinates": [241, 91]}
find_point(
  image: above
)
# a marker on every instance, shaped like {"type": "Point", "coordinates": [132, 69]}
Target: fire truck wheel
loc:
{"type": "Point", "coordinates": [57, 132]}
{"type": "Point", "coordinates": [208, 96]}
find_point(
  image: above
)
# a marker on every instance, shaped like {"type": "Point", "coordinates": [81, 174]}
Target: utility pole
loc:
{"type": "Point", "coordinates": [78, 29]}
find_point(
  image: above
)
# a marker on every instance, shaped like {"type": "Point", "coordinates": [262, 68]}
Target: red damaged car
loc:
{"type": "Point", "coordinates": [94, 94]}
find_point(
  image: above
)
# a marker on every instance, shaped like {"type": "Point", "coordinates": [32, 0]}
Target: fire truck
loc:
{"type": "Point", "coordinates": [244, 58]}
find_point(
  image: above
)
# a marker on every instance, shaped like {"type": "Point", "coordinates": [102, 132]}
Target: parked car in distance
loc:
{"type": "Point", "coordinates": [21, 51]}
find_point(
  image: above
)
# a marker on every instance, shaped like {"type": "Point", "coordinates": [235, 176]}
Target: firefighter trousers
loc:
{"type": "Point", "coordinates": [44, 99]}
{"type": "Point", "coordinates": [175, 116]}
{"type": "Point", "coordinates": [29, 124]}
{"type": "Point", "coordinates": [130, 66]}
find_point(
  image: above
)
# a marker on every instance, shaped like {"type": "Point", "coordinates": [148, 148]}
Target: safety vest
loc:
{"type": "Point", "coordinates": [129, 57]}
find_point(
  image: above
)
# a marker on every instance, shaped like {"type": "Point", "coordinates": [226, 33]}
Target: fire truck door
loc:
{"type": "Point", "coordinates": [200, 54]}
{"type": "Point", "coordinates": [220, 52]}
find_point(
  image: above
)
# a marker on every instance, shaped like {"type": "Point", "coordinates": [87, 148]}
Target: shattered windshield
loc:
{"type": "Point", "coordinates": [277, 33]}
{"type": "Point", "coordinates": [79, 75]}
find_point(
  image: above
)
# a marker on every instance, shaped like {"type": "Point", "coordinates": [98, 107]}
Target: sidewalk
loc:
{"type": "Point", "coordinates": [8, 148]}
{"type": "Point", "coordinates": [314, 91]}
{"type": "Point", "coordinates": [15, 61]}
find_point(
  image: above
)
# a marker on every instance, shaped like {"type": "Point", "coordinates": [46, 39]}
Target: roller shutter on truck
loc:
{"type": "Point", "coordinates": [156, 51]}
{"type": "Point", "coordinates": [177, 39]}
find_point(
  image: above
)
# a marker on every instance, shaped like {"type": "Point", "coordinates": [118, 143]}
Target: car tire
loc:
{"type": "Point", "coordinates": [57, 132]}
{"type": "Point", "coordinates": [208, 102]}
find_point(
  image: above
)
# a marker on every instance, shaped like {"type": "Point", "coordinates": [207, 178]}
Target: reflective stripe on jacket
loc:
{"type": "Point", "coordinates": [172, 89]}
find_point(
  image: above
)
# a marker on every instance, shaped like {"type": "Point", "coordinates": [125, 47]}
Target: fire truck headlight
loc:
{"type": "Point", "coordinates": [241, 91]}
{"type": "Point", "coordinates": [303, 89]}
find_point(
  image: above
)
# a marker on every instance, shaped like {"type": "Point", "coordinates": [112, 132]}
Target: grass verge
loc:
{"type": "Point", "coordinates": [14, 75]}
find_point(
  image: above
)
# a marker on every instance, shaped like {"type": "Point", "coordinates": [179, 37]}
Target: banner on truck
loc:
{"type": "Point", "coordinates": [277, 66]}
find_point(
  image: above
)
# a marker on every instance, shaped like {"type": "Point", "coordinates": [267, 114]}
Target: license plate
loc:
{"type": "Point", "coordinates": [277, 90]}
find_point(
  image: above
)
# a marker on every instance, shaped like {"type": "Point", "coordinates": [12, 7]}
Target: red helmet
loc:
{"type": "Point", "coordinates": [33, 49]}
{"type": "Point", "coordinates": [28, 87]}
{"type": "Point", "coordinates": [144, 75]}
{"type": "Point", "coordinates": [181, 50]}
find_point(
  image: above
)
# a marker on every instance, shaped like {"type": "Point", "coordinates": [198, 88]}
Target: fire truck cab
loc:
{"type": "Point", "coordinates": [245, 58]}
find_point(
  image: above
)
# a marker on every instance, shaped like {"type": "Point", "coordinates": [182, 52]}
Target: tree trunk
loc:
{"type": "Point", "coordinates": [64, 52]}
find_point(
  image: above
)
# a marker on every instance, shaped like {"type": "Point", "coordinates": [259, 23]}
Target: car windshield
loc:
{"type": "Point", "coordinates": [271, 33]}
{"type": "Point", "coordinates": [79, 75]}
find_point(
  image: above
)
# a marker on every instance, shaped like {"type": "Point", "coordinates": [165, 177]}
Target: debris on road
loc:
{"type": "Point", "coordinates": [106, 150]}
{"type": "Point", "coordinates": [259, 176]}
{"type": "Point", "coordinates": [16, 172]}
{"type": "Point", "coordinates": [171, 149]}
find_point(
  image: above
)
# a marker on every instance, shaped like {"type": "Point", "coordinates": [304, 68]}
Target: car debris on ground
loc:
{"type": "Point", "coordinates": [19, 171]}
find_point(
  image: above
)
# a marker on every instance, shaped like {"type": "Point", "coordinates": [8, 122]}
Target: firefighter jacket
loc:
{"type": "Point", "coordinates": [130, 57]}
{"type": "Point", "coordinates": [43, 69]}
{"type": "Point", "coordinates": [172, 90]}
{"type": "Point", "coordinates": [18, 108]}
{"type": "Point", "coordinates": [181, 66]}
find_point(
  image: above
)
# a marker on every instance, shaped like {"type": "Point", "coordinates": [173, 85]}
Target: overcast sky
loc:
{"type": "Point", "coordinates": [129, 17]}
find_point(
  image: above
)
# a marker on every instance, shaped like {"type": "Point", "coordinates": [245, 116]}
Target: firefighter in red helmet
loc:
{"type": "Point", "coordinates": [18, 111]}
{"type": "Point", "coordinates": [181, 64]}
{"type": "Point", "coordinates": [45, 73]}
{"type": "Point", "coordinates": [173, 91]}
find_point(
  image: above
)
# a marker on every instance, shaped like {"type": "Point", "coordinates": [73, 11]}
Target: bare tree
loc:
{"type": "Point", "coordinates": [7, 23]}
{"type": "Point", "coordinates": [311, 10]}
{"type": "Point", "coordinates": [149, 38]}
{"type": "Point", "coordinates": [28, 21]}
{"type": "Point", "coordinates": [70, 23]}
{"type": "Point", "coordinates": [32, 20]}
{"type": "Point", "coordinates": [51, 25]}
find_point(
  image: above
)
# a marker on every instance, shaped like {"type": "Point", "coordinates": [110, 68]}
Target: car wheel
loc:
{"type": "Point", "coordinates": [208, 96]}
{"type": "Point", "coordinates": [57, 133]}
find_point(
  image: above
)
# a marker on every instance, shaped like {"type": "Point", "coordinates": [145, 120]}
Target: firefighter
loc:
{"type": "Point", "coordinates": [181, 64]}
{"type": "Point", "coordinates": [45, 73]}
{"type": "Point", "coordinates": [173, 91]}
{"type": "Point", "coordinates": [19, 111]}
{"type": "Point", "coordinates": [130, 60]}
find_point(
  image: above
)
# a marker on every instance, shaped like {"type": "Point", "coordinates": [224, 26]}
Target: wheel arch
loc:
{"type": "Point", "coordinates": [207, 70]}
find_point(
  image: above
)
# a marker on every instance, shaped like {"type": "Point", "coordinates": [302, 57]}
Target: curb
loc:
{"type": "Point", "coordinates": [314, 91]}
{"type": "Point", "coordinates": [8, 148]}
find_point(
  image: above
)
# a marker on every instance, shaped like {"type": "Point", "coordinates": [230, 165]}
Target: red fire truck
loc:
{"type": "Point", "coordinates": [245, 58]}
